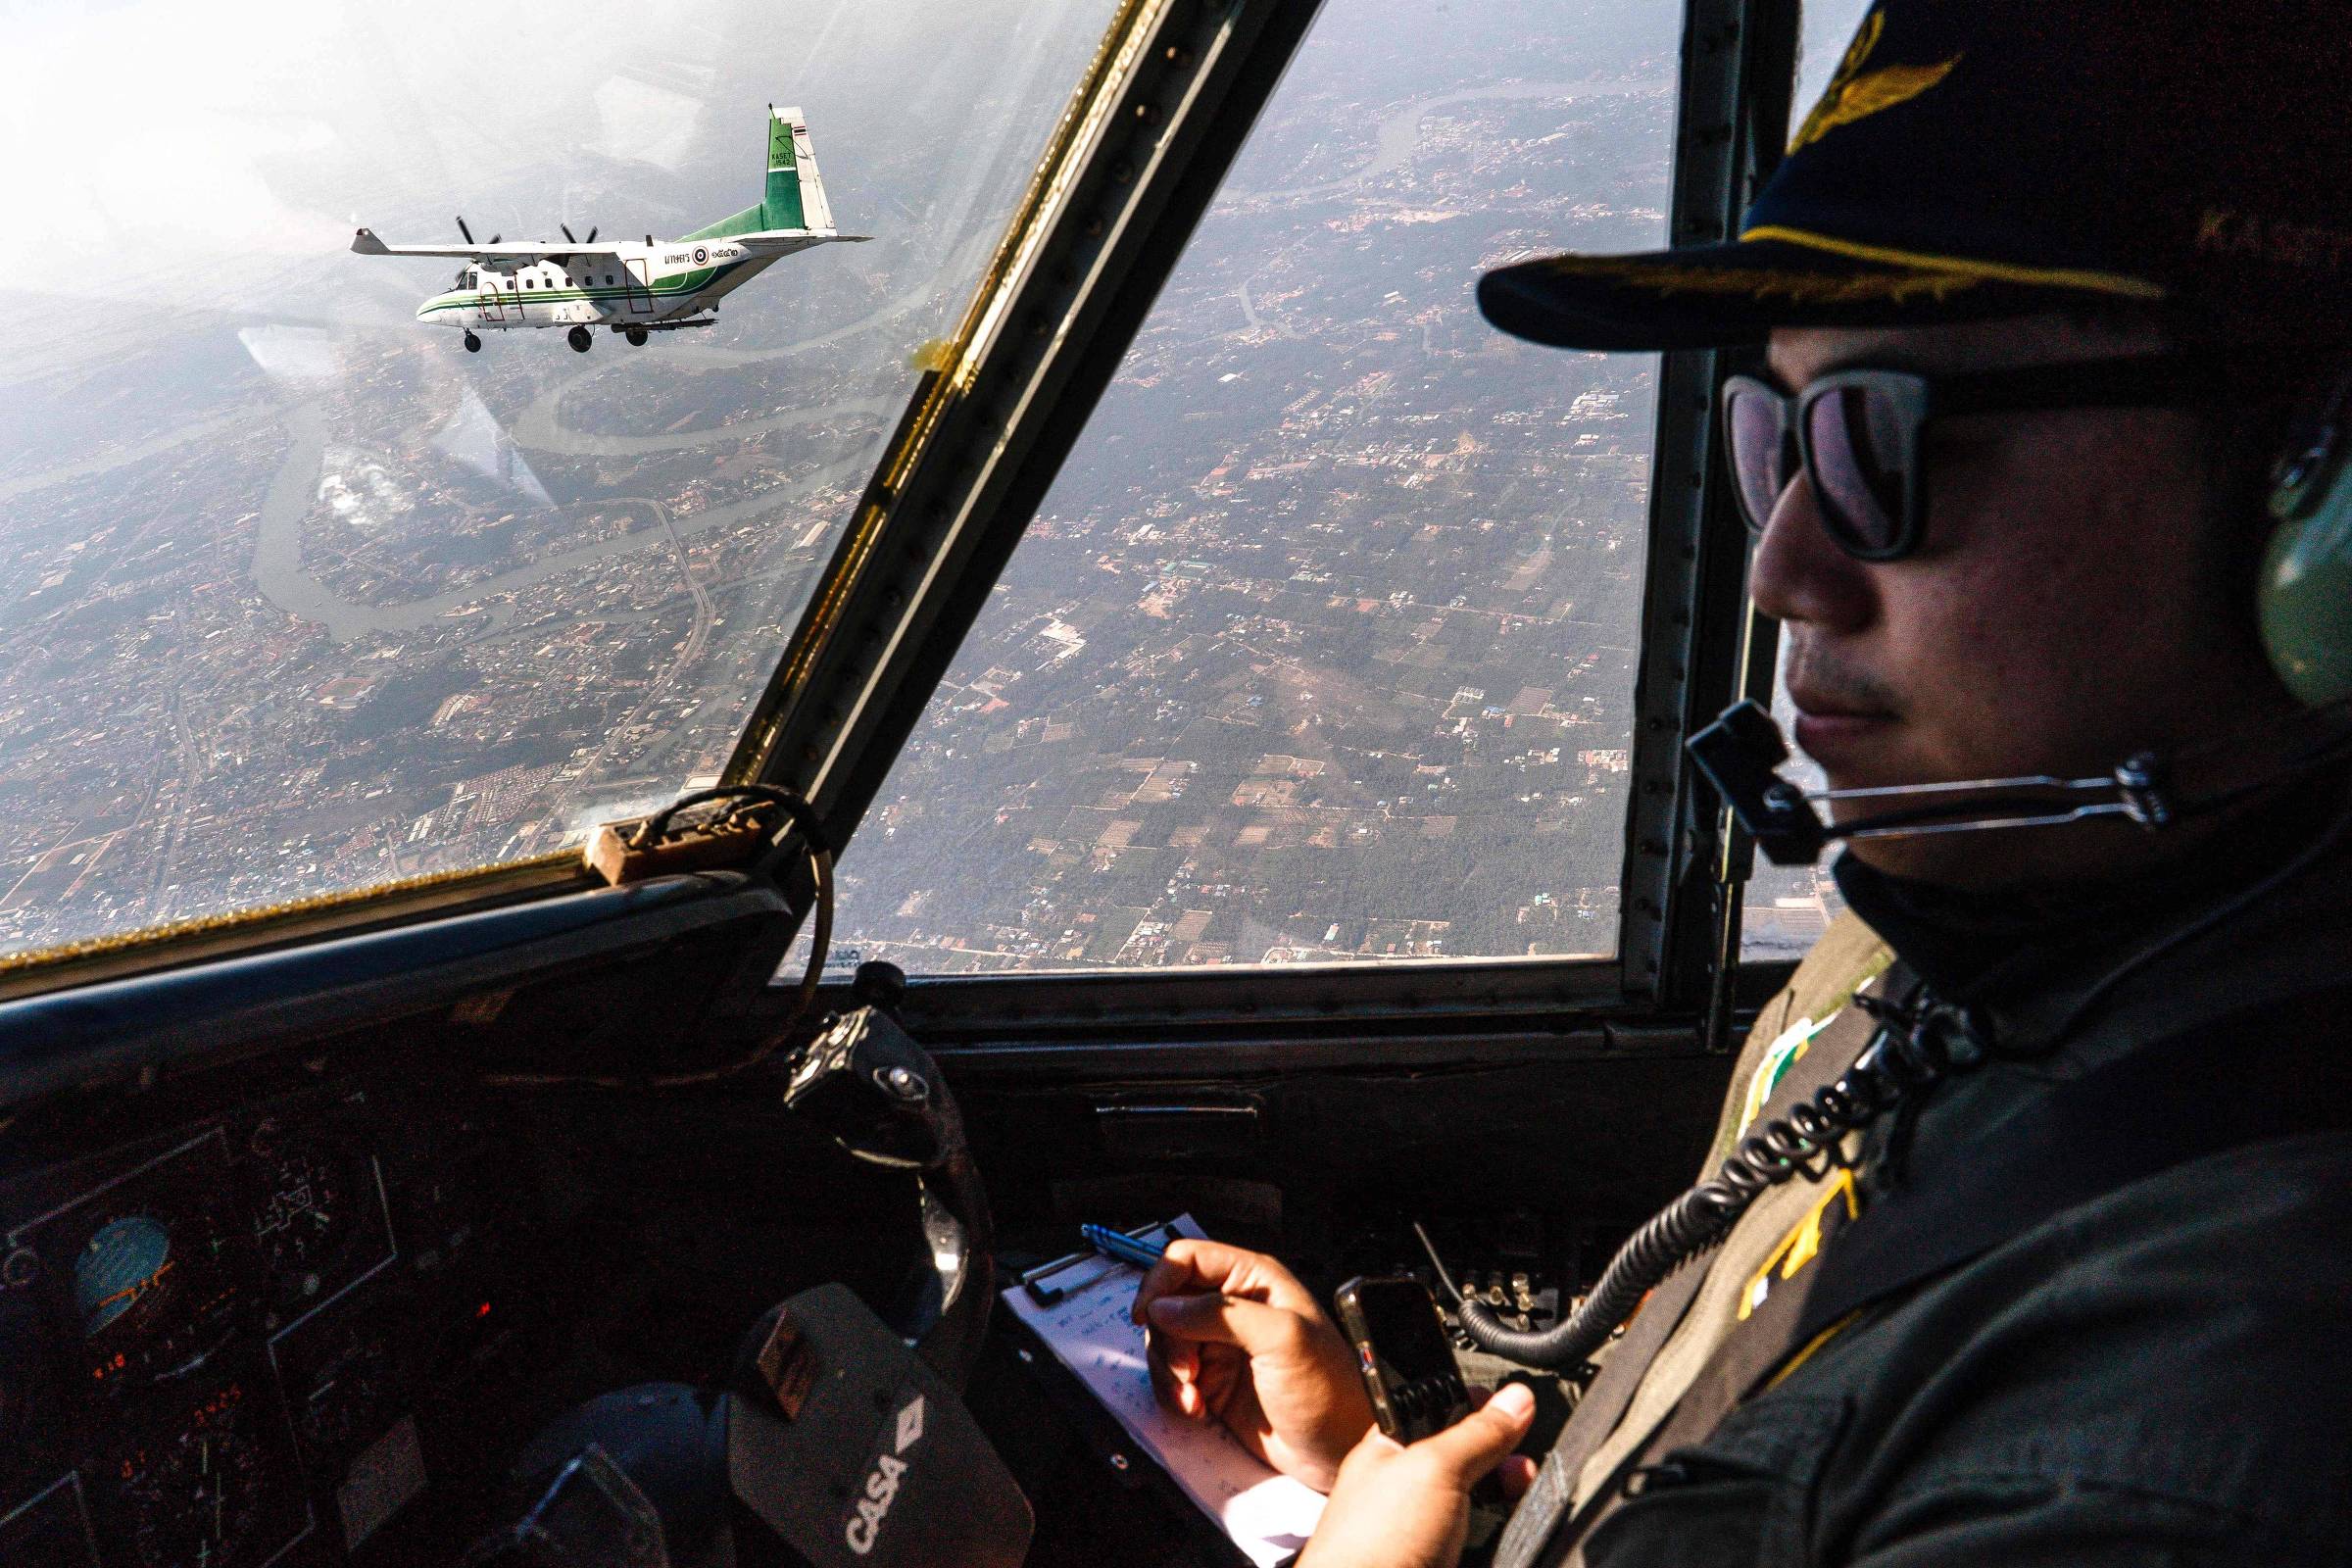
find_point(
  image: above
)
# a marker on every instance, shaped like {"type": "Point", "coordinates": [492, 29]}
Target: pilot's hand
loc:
{"type": "Point", "coordinates": [1410, 1507]}
{"type": "Point", "coordinates": [1234, 1338]}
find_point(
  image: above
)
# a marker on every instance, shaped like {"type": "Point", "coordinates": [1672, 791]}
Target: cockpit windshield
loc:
{"type": "Point", "coordinates": [1322, 646]}
{"type": "Point", "coordinates": [306, 591]}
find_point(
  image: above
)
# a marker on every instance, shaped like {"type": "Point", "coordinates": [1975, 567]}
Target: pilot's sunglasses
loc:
{"type": "Point", "coordinates": [1857, 433]}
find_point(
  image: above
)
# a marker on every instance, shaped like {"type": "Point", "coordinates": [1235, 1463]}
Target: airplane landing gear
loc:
{"type": "Point", "coordinates": [473, 345]}
{"type": "Point", "coordinates": [636, 336]}
{"type": "Point", "coordinates": [579, 339]}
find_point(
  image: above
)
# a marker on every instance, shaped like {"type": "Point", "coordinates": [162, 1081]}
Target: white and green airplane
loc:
{"type": "Point", "coordinates": [633, 289]}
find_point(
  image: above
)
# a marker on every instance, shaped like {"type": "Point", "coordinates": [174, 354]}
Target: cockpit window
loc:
{"type": "Point", "coordinates": [300, 595]}
{"type": "Point", "coordinates": [1321, 649]}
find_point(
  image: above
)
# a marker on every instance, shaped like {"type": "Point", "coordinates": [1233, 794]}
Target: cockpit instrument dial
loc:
{"type": "Point", "coordinates": [122, 1278]}
{"type": "Point", "coordinates": [342, 1380]}
{"type": "Point", "coordinates": [153, 1288]}
{"type": "Point", "coordinates": [207, 1486]}
{"type": "Point", "coordinates": [302, 1215]}
{"type": "Point", "coordinates": [314, 1205]}
{"type": "Point", "coordinates": [145, 1266]}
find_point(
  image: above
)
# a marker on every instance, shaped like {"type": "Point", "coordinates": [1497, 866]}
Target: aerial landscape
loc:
{"type": "Point", "coordinates": [1323, 645]}
{"type": "Point", "coordinates": [1320, 649]}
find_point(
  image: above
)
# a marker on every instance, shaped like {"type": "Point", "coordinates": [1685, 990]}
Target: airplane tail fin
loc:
{"type": "Point", "coordinates": [796, 195]}
{"type": "Point", "coordinates": [795, 198]}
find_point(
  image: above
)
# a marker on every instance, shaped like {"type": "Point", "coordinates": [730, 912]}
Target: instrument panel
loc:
{"type": "Point", "coordinates": [214, 1348]}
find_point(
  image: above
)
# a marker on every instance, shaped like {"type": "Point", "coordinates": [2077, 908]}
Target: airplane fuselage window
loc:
{"type": "Point", "coordinates": [297, 601]}
{"type": "Point", "coordinates": [1322, 646]}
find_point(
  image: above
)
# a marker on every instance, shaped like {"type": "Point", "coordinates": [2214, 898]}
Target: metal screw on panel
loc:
{"type": "Point", "coordinates": [904, 1083]}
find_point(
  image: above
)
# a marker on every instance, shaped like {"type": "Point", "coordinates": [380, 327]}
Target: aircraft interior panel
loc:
{"type": "Point", "coordinates": [307, 1306]}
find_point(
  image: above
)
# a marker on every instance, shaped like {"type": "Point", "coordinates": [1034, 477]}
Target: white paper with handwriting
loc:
{"type": "Point", "coordinates": [1267, 1514]}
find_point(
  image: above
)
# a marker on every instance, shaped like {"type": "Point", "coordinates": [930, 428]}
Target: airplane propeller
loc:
{"type": "Point", "coordinates": [467, 232]}
{"type": "Point", "coordinates": [574, 238]}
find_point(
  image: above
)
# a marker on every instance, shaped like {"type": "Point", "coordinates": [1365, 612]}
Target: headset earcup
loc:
{"type": "Point", "coordinates": [2304, 598]}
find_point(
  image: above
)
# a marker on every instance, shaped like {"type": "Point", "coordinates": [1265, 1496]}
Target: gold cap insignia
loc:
{"type": "Point", "coordinates": [1855, 94]}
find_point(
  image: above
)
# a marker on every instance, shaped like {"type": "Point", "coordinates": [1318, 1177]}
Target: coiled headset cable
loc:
{"type": "Point", "coordinates": [1918, 1045]}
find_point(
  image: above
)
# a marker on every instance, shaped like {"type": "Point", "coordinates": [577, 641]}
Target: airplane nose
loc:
{"type": "Point", "coordinates": [425, 311]}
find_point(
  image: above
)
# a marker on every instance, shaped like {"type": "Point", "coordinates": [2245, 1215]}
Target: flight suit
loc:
{"type": "Point", "coordinates": [2152, 1373]}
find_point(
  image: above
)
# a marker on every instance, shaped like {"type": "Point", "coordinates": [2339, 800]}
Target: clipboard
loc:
{"type": "Point", "coordinates": [1074, 1312]}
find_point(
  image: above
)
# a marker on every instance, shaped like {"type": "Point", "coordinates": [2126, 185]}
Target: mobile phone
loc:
{"type": "Point", "coordinates": [1402, 1350]}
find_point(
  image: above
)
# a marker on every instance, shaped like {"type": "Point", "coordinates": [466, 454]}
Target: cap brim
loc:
{"type": "Point", "coordinates": [1714, 296]}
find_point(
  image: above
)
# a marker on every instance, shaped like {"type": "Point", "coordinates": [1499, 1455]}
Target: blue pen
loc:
{"type": "Point", "coordinates": [1126, 1248]}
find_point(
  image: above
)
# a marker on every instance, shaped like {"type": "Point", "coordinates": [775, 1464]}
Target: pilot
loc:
{"type": "Point", "coordinates": [2043, 460]}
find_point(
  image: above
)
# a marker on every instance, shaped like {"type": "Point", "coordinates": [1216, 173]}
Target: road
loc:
{"type": "Point", "coordinates": [696, 637]}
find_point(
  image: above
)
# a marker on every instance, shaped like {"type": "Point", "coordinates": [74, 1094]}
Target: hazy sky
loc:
{"type": "Point", "coordinates": [188, 157]}
{"type": "Point", "coordinates": [158, 141]}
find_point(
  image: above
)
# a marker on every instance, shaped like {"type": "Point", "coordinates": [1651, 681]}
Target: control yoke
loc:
{"type": "Point", "coordinates": [835, 1442]}
{"type": "Point", "coordinates": [883, 1100]}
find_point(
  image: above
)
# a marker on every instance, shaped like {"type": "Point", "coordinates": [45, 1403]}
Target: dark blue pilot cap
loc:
{"type": "Point", "coordinates": [1974, 159]}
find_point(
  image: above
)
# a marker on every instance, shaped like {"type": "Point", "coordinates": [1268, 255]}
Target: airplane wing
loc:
{"type": "Point", "coordinates": [366, 244]}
